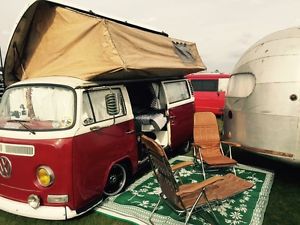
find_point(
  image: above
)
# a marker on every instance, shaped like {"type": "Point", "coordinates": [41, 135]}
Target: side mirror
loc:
{"type": "Point", "coordinates": [112, 104]}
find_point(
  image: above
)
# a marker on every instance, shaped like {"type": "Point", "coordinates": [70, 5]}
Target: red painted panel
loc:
{"type": "Point", "coordinates": [181, 120]}
{"type": "Point", "coordinates": [81, 165]}
{"type": "Point", "coordinates": [94, 154]}
{"type": "Point", "coordinates": [55, 153]}
{"type": "Point", "coordinates": [210, 102]}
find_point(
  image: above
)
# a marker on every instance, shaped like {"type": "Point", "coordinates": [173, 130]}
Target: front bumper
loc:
{"type": "Point", "coordinates": [43, 212]}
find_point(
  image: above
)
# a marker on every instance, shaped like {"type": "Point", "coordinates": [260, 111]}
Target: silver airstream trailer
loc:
{"type": "Point", "coordinates": [262, 109]}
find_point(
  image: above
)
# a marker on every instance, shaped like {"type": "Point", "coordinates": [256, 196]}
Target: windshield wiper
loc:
{"type": "Point", "coordinates": [24, 125]}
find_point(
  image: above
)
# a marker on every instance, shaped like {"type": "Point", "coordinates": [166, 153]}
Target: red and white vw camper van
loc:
{"type": "Point", "coordinates": [81, 89]}
{"type": "Point", "coordinates": [65, 141]}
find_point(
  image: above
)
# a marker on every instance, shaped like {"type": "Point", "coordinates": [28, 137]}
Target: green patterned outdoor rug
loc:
{"type": "Point", "coordinates": [137, 202]}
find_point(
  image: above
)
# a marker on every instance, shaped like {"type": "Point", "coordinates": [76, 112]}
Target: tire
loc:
{"type": "Point", "coordinates": [116, 180]}
{"type": "Point", "coordinates": [186, 147]}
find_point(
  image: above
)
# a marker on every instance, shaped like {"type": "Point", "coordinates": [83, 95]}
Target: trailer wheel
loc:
{"type": "Point", "coordinates": [116, 180]}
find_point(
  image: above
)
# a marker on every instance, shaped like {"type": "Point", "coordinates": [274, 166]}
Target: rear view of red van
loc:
{"type": "Point", "coordinates": [209, 91]}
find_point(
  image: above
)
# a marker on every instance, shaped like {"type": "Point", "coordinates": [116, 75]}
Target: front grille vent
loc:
{"type": "Point", "coordinates": [21, 150]}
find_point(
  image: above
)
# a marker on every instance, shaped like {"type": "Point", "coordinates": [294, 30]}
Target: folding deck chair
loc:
{"type": "Point", "coordinates": [207, 145]}
{"type": "Point", "coordinates": [184, 198]}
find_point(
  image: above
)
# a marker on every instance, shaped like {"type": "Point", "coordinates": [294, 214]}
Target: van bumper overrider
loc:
{"type": "Point", "coordinates": [42, 212]}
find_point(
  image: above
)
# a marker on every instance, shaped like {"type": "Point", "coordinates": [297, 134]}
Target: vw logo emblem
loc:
{"type": "Point", "coordinates": [5, 167]}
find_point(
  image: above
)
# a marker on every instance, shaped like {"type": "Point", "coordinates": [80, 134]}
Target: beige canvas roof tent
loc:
{"type": "Point", "coordinates": [52, 39]}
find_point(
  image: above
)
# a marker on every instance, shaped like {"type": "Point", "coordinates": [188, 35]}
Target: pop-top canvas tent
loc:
{"type": "Point", "coordinates": [55, 40]}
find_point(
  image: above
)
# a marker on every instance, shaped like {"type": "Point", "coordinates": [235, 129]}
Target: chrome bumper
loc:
{"type": "Point", "coordinates": [43, 212]}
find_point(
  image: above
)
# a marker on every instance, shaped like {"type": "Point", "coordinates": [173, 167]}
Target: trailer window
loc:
{"type": "Point", "coordinates": [205, 85]}
{"type": "Point", "coordinates": [177, 91]}
{"type": "Point", "coordinates": [241, 85]}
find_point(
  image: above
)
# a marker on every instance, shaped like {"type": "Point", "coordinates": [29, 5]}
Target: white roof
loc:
{"type": "Point", "coordinates": [58, 80]}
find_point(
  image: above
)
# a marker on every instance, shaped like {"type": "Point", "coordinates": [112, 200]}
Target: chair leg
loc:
{"type": "Point", "coordinates": [155, 208]}
{"type": "Point", "coordinates": [211, 209]}
{"type": "Point", "coordinates": [203, 170]}
{"type": "Point", "coordinates": [230, 154]}
{"type": "Point", "coordinates": [221, 147]}
{"type": "Point", "coordinates": [201, 159]}
{"type": "Point", "coordinates": [197, 163]}
{"type": "Point", "coordinates": [189, 213]}
{"type": "Point", "coordinates": [179, 177]}
{"type": "Point", "coordinates": [234, 171]}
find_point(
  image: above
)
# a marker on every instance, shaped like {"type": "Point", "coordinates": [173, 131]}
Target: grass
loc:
{"type": "Point", "coordinates": [91, 218]}
{"type": "Point", "coordinates": [284, 201]}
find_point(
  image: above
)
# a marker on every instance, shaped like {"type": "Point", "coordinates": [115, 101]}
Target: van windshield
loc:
{"type": "Point", "coordinates": [37, 107]}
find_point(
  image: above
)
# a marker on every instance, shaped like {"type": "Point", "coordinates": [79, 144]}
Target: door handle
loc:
{"type": "Point", "coordinates": [130, 132]}
{"type": "Point", "coordinates": [95, 128]}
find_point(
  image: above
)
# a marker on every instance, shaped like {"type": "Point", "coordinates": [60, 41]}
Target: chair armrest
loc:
{"type": "Point", "coordinates": [231, 143]}
{"type": "Point", "coordinates": [190, 188]}
{"type": "Point", "coordinates": [181, 165]}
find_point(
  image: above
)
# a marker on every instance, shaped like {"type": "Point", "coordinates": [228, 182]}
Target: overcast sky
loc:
{"type": "Point", "coordinates": [222, 29]}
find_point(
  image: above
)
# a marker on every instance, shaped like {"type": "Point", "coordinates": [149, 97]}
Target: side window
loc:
{"type": "Point", "coordinates": [205, 85]}
{"type": "Point", "coordinates": [87, 113]}
{"type": "Point", "coordinates": [177, 91]}
{"type": "Point", "coordinates": [96, 108]}
{"type": "Point", "coordinates": [241, 85]}
{"type": "Point", "coordinates": [223, 83]}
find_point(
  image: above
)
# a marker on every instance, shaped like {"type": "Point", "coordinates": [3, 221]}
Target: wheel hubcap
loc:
{"type": "Point", "coordinates": [116, 180]}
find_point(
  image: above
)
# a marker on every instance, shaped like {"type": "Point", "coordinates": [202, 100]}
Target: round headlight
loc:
{"type": "Point", "coordinates": [45, 176]}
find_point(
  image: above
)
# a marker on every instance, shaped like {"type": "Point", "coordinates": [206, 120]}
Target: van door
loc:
{"type": "Point", "coordinates": [102, 141]}
{"type": "Point", "coordinates": [180, 104]}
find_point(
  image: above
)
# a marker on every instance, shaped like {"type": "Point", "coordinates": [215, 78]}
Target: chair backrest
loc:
{"type": "Point", "coordinates": [162, 170]}
{"type": "Point", "coordinates": [206, 131]}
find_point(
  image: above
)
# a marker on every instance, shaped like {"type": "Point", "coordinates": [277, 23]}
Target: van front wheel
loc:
{"type": "Point", "coordinates": [116, 180]}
